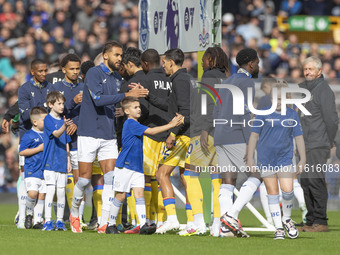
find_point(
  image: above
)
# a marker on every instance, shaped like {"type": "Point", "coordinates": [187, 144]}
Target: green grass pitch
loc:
{"type": "Point", "coordinates": [15, 241]}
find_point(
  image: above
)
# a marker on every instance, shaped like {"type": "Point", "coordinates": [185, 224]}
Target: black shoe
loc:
{"type": "Point", "coordinates": [148, 229]}
{"type": "Point", "coordinates": [28, 221]}
{"type": "Point", "coordinates": [93, 225]}
{"type": "Point", "coordinates": [112, 230]}
{"type": "Point", "coordinates": [39, 225]}
{"type": "Point", "coordinates": [127, 226]}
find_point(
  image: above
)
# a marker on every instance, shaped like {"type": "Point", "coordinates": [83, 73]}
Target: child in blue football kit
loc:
{"type": "Point", "coordinates": [129, 166]}
{"type": "Point", "coordinates": [56, 159]}
{"type": "Point", "coordinates": [31, 148]}
{"type": "Point", "coordinates": [273, 134]}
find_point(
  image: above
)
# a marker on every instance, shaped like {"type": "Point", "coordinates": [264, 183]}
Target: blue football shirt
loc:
{"type": "Point", "coordinates": [275, 145]}
{"type": "Point", "coordinates": [131, 155]}
{"type": "Point", "coordinates": [55, 154]}
{"type": "Point", "coordinates": [32, 139]}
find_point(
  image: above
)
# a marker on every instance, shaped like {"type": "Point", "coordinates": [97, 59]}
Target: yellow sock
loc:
{"type": "Point", "coordinates": [152, 212]}
{"type": "Point", "coordinates": [132, 208]}
{"type": "Point", "coordinates": [147, 197]}
{"type": "Point", "coordinates": [119, 216]}
{"type": "Point", "coordinates": [154, 199]}
{"type": "Point", "coordinates": [69, 189]}
{"type": "Point", "coordinates": [161, 213]}
{"type": "Point", "coordinates": [194, 192]}
{"type": "Point", "coordinates": [170, 208]}
{"type": "Point", "coordinates": [216, 183]}
{"type": "Point", "coordinates": [97, 199]}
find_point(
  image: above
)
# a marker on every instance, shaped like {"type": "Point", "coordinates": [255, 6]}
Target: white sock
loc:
{"type": "Point", "coordinates": [61, 203]}
{"type": "Point", "coordinates": [114, 210]}
{"type": "Point", "coordinates": [287, 205]}
{"type": "Point", "coordinates": [264, 202]}
{"type": "Point", "coordinates": [81, 209]}
{"type": "Point", "coordinates": [141, 210]}
{"type": "Point", "coordinates": [78, 194]}
{"type": "Point", "coordinates": [199, 220]}
{"type": "Point", "coordinates": [38, 211]}
{"type": "Point", "coordinates": [216, 221]}
{"type": "Point", "coordinates": [107, 197]}
{"type": "Point", "coordinates": [50, 190]}
{"type": "Point", "coordinates": [160, 223]}
{"type": "Point", "coordinates": [172, 218]}
{"type": "Point", "coordinates": [55, 207]}
{"type": "Point", "coordinates": [22, 197]}
{"type": "Point", "coordinates": [225, 197]}
{"type": "Point", "coordinates": [30, 203]}
{"type": "Point", "coordinates": [274, 207]}
{"type": "Point", "coordinates": [246, 193]}
{"type": "Point", "coordinates": [133, 222]}
{"type": "Point", "coordinates": [298, 193]}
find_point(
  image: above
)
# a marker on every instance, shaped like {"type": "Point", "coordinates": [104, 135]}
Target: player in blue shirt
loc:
{"type": "Point", "coordinates": [129, 166]}
{"type": "Point", "coordinates": [71, 86]}
{"type": "Point", "coordinates": [31, 148]}
{"type": "Point", "coordinates": [56, 160]}
{"type": "Point", "coordinates": [31, 94]}
{"type": "Point", "coordinates": [274, 159]}
{"type": "Point", "coordinates": [96, 131]}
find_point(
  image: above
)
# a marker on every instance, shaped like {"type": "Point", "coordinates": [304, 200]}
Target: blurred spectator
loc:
{"type": "Point", "coordinates": [290, 8]}
{"type": "Point", "coordinates": [6, 69]}
{"type": "Point", "coordinates": [85, 19]}
{"type": "Point", "coordinates": [60, 20]}
{"type": "Point", "coordinates": [7, 13]}
{"type": "Point", "coordinates": [250, 30]}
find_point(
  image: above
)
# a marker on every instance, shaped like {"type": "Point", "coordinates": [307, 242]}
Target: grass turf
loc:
{"type": "Point", "coordinates": [21, 241]}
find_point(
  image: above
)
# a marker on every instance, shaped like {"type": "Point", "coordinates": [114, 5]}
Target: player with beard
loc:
{"type": "Point", "coordinates": [96, 131]}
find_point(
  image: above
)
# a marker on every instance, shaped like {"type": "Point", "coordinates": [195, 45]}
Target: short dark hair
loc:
{"type": "Point", "coordinates": [132, 55]}
{"type": "Point", "coordinates": [175, 55]}
{"type": "Point", "coordinates": [126, 102]}
{"type": "Point", "coordinates": [245, 56]}
{"type": "Point", "coordinates": [35, 111]}
{"type": "Point", "coordinates": [53, 96]}
{"type": "Point", "coordinates": [36, 62]}
{"type": "Point", "coordinates": [86, 66]}
{"type": "Point", "coordinates": [151, 56]}
{"type": "Point", "coordinates": [69, 58]}
{"type": "Point", "coordinates": [218, 58]}
{"type": "Point", "coordinates": [109, 45]}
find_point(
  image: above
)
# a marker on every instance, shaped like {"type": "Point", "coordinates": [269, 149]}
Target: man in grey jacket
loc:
{"type": "Point", "coordinates": [319, 130]}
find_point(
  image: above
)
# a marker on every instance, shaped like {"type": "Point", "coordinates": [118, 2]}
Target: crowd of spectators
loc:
{"type": "Point", "coordinates": [43, 29]}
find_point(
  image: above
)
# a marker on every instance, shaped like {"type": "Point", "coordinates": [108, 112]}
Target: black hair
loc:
{"type": "Point", "coordinates": [86, 66]}
{"type": "Point", "coordinates": [109, 45]}
{"type": "Point", "coordinates": [69, 58]}
{"type": "Point", "coordinates": [151, 56]}
{"type": "Point", "coordinates": [217, 58]}
{"type": "Point", "coordinates": [133, 55]}
{"type": "Point", "coordinates": [175, 55]}
{"type": "Point", "coordinates": [36, 62]}
{"type": "Point", "coordinates": [245, 56]}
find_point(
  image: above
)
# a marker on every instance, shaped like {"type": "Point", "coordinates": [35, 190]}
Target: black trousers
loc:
{"type": "Point", "coordinates": [314, 186]}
